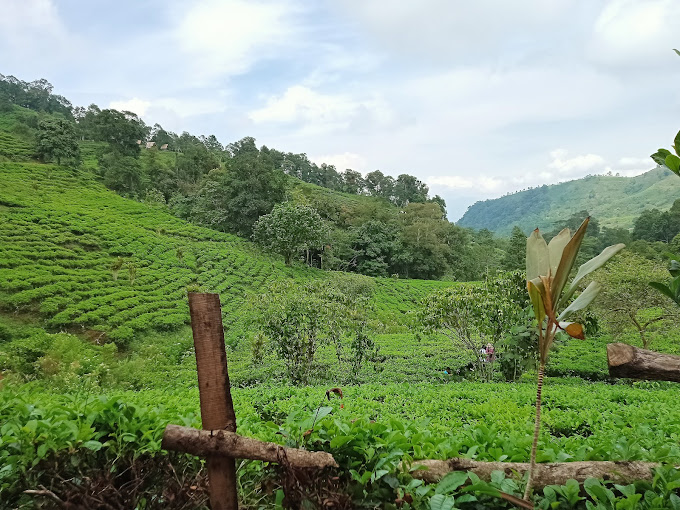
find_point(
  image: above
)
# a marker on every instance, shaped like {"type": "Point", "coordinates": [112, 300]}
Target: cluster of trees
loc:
{"type": "Point", "coordinates": [36, 95]}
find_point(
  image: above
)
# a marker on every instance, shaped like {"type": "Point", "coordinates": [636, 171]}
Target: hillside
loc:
{"type": "Point", "coordinates": [614, 201]}
{"type": "Point", "coordinates": [79, 257]}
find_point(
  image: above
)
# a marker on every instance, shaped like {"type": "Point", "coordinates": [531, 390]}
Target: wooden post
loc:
{"type": "Point", "coordinates": [628, 361]}
{"type": "Point", "coordinates": [217, 410]}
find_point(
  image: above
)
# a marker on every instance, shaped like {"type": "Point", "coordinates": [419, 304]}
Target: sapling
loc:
{"type": "Point", "coordinates": [548, 269]}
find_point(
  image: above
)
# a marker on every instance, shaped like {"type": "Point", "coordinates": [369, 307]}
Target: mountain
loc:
{"type": "Point", "coordinates": [614, 201]}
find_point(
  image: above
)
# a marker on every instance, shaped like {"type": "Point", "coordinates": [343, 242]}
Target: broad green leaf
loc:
{"type": "Point", "coordinates": [567, 262]}
{"type": "Point", "coordinates": [92, 445]}
{"type": "Point", "coordinates": [538, 257]}
{"type": "Point", "coordinates": [556, 247]}
{"type": "Point", "coordinates": [451, 482]}
{"type": "Point", "coordinates": [663, 289]}
{"type": "Point", "coordinates": [676, 51]}
{"type": "Point", "coordinates": [590, 266]}
{"type": "Point", "coordinates": [659, 156]}
{"type": "Point", "coordinates": [321, 412]}
{"type": "Point", "coordinates": [536, 301]}
{"type": "Point", "coordinates": [584, 299]}
{"type": "Point", "coordinates": [676, 143]}
{"type": "Point", "coordinates": [441, 502]}
{"type": "Point", "coordinates": [673, 163]}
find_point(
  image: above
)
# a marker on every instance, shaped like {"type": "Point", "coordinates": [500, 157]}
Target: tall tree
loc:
{"type": "Point", "coordinates": [408, 189]}
{"type": "Point", "coordinates": [233, 199]}
{"type": "Point", "coordinates": [57, 140]}
{"type": "Point", "coordinates": [515, 255]}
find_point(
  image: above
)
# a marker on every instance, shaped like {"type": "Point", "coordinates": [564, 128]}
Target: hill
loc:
{"type": "Point", "coordinates": [614, 201]}
{"type": "Point", "coordinates": [77, 256]}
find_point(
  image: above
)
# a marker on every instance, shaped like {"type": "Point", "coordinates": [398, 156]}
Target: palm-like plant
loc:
{"type": "Point", "coordinates": [548, 269]}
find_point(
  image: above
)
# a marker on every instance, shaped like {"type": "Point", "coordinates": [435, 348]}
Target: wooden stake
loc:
{"type": "Point", "coordinates": [217, 410]}
{"type": "Point", "coordinates": [628, 361]}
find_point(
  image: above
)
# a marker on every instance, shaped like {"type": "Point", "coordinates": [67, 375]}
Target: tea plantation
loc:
{"type": "Point", "coordinates": [97, 358]}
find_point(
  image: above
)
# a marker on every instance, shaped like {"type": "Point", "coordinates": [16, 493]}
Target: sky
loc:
{"type": "Point", "coordinates": [477, 99]}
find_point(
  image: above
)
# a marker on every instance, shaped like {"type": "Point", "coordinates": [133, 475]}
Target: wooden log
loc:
{"type": "Point", "coordinates": [225, 443]}
{"type": "Point", "coordinates": [217, 410]}
{"type": "Point", "coordinates": [546, 474]}
{"type": "Point", "coordinates": [628, 361]}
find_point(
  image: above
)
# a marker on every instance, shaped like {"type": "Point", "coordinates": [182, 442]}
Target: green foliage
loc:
{"type": "Point", "coordinates": [615, 201]}
{"type": "Point", "coordinates": [57, 140]}
{"type": "Point", "coordinates": [627, 299]}
{"type": "Point", "coordinates": [473, 316]}
{"type": "Point", "coordinates": [515, 254]}
{"type": "Point", "coordinates": [290, 230]}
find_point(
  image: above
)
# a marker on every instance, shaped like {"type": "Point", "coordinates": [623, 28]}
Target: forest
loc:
{"type": "Point", "coordinates": [354, 317]}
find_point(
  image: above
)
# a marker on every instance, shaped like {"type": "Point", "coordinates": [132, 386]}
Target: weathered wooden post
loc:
{"type": "Point", "coordinates": [218, 442]}
{"type": "Point", "coordinates": [217, 410]}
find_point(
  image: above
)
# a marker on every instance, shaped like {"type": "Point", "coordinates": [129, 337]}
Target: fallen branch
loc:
{"type": "Point", "coordinates": [630, 362]}
{"type": "Point", "coordinates": [546, 474]}
{"type": "Point", "coordinates": [229, 444]}
{"type": "Point", "coordinates": [47, 494]}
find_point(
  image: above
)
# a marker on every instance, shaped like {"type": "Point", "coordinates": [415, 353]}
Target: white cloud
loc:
{"type": "Point", "coordinates": [441, 30]}
{"type": "Point", "coordinates": [31, 29]}
{"type": "Point", "coordinates": [342, 161]}
{"type": "Point", "coordinates": [485, 185]}
{"type": "Point", "coordinates": [134, 105]}
{"type": "Point", "coordinates": [575, 165]}
{"type": "Point", "coordinates": [636, 32]}
{"type": "Point", "coordinates": [317, 112]}
{"type": "Point", "coordinates": [229, 37]}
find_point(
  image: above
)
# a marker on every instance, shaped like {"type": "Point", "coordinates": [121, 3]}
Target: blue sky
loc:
{"type": "Point", "coordinates": [477, 99]}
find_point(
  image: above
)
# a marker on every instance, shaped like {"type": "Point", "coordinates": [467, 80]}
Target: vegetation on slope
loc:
{"type": "Point", "coordinates": [615, 201]}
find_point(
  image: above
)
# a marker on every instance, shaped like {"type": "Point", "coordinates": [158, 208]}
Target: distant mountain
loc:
{"type": "Point", "coordinates": [614, 201]}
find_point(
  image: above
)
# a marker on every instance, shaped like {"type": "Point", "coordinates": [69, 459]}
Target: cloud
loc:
{"type": "Point", "coordinates": [134, 105]}
{"type": "Point", "coordinates": [343, 161]}
{"type": "Point", "coordinates": [445, 31]}
{"type": "Point", "coordinates": [483, 184]}
{"type": "Point", "coordinates": [576, 164]}
{"type": "Point", "coordinates": [634, 32]}
{"type": "Point", "coordinates": [228, 37]}
{"type": "Point", "coordinates": [313, 111]}
{"type": "Point", "coordinates": [31, 31]}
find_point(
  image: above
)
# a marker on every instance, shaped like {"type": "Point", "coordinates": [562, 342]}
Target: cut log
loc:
{"type": "Point", "coordinates": [628, 361]}
{"type": "Point", "coordinates": [546, 474]}
{"type": "Point", "coordinates": [228, 444]}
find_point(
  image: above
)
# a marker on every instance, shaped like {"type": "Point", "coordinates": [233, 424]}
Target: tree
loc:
{"type": "Point", "coordinates": [548, 270]}
{"type": "Point", "coordinates": [425, 252]}
{"type": "Point", "coordinates": [57, 140]}
{"type": "Point", "coordinates": [121, 173]}
{"type": "Point", "coordinates": [121, 130]}
{"type": "Point", "coordinates": [409, 189]}
{"type": "Point", "coordinates": [627, 300]}
{"type": "Point", "coordinates": [515, 255]}
{"type": "Point", "coordinates": [352, 182]}
{"type": "Point", "coordinates": [297, 318]}
{"type": "Point", "coordinates": [473, 316]}
{"type": "Point", "coordinates": [289, 230]}
{"type": "Point", "coordinates": [373, 248]}
{"type": "Point", "coordinates": [233, 199]}
{"type": "Point", "coordinates": [654, 225]}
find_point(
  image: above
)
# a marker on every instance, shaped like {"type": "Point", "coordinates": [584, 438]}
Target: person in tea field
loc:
{"type": "Point", "coordinates": [490, 354]}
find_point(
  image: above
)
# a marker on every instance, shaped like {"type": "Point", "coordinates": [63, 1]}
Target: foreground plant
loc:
{"type": "Point", "coordinates": [548, 269]}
